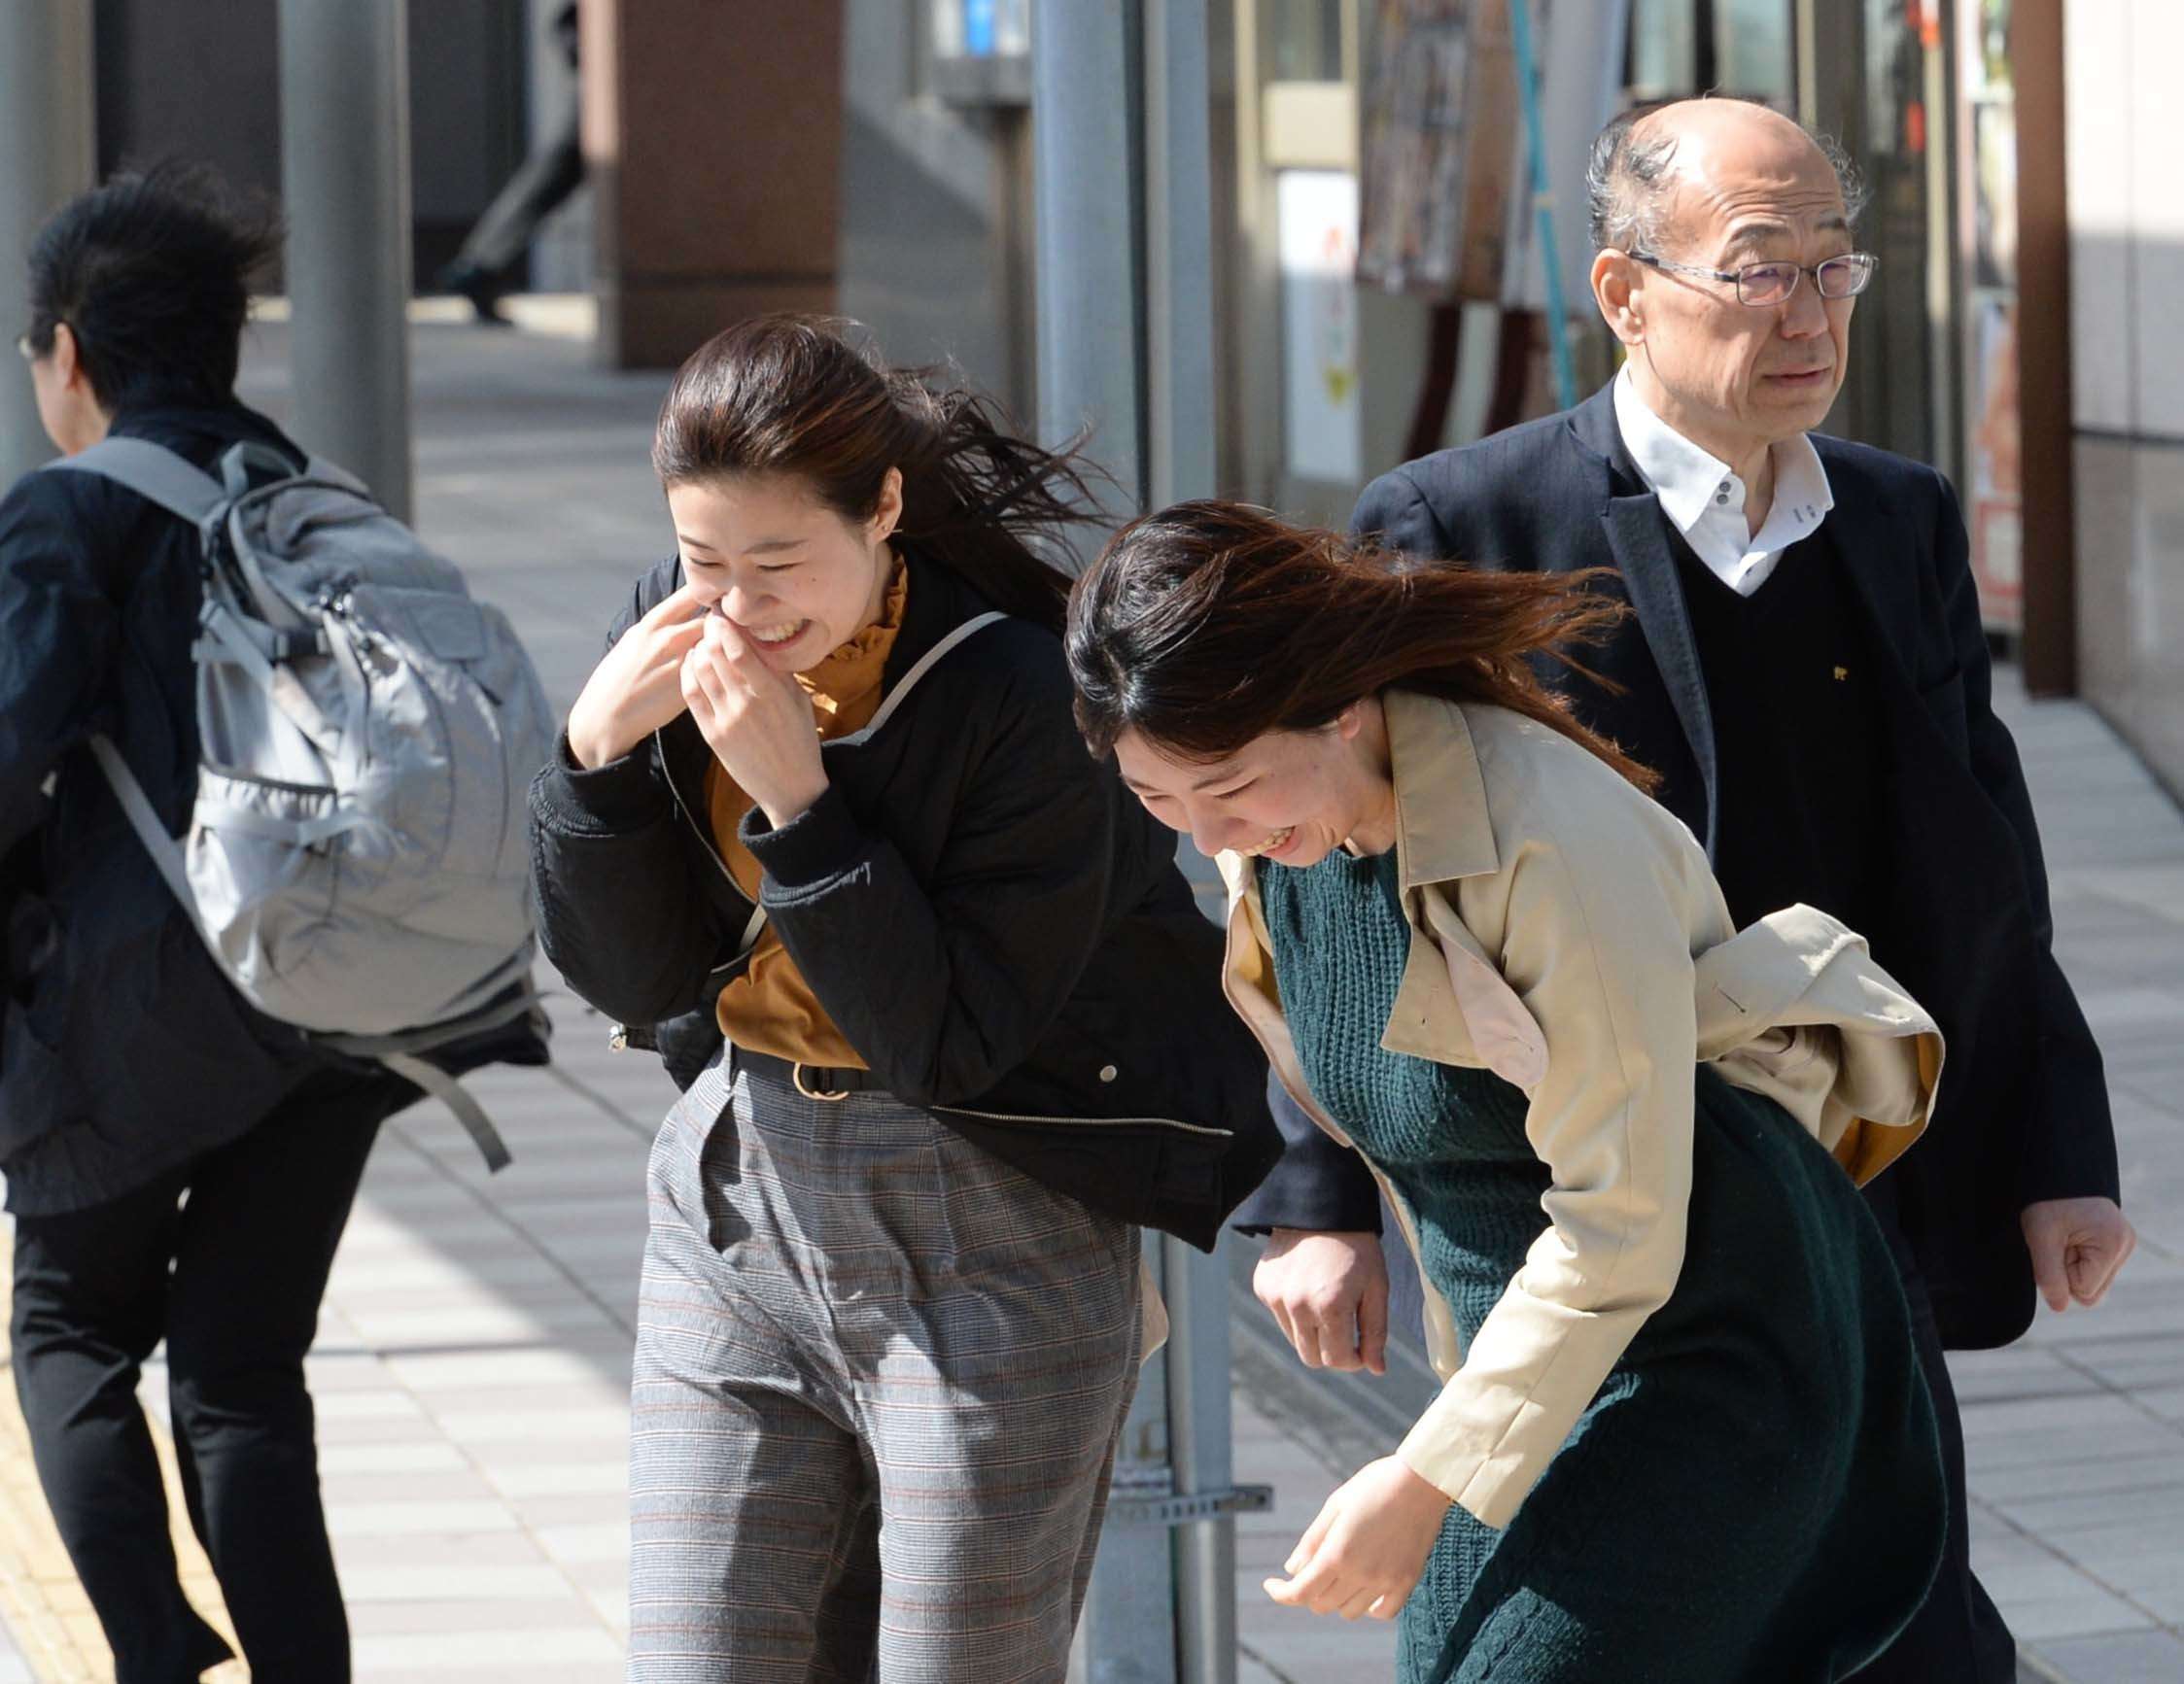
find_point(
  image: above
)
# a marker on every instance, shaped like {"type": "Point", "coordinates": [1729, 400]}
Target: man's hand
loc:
{"type": "Point", "coordinates": [1329, 1292]}
{"type": "Point", "coordinates": [2077, 1246]}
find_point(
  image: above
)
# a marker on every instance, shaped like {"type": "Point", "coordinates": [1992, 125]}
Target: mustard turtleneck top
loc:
{"type": "Point", "coordinates": [770, 1008]}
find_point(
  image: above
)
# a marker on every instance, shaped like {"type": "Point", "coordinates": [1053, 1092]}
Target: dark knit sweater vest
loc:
{"type": "Point", "coordinates": [1790, 681]}
{"type": "Point", "coordinates": [1450, 1139]}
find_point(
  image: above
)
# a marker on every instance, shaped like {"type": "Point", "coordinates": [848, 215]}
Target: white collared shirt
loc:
{"type": "Point", "coordinates": [1706, 500]}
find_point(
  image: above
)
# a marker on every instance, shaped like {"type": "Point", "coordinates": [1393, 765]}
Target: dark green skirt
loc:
{"type": "Point", "coordinates": [1755, 1494]}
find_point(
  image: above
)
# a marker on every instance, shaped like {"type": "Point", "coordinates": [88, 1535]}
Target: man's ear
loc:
{"type": "Point", "coordinates": [1618, 288]}
{"type": "Point", "coordinates": [68, 364]}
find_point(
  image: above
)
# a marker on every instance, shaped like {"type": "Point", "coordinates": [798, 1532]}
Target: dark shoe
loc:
{"type": "Point", "coordinates": [468, 281]}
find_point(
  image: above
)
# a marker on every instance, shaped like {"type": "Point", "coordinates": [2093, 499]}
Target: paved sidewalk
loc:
{"type": "Point", "coordinates": [473, 1357]}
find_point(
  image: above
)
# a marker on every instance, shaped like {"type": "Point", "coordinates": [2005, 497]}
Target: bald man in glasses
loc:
{"type": "Point", "coordinates": [1804, 664]}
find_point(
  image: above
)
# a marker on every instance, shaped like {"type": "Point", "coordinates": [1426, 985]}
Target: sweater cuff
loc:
{"type": "Point", "coordinates": [814, 847]}
{"type": "Point", "coordinates": [624, 795]}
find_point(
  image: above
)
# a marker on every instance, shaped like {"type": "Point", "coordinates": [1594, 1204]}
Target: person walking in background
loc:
{"type": "Point", "coordinates": [1682, 1434]}
{"type": "Point", "coordinates": [1805, 665]}
{"type": "Point", "coordinates": [945, 1011]}
{"type": "Point", "coordinates": [179, 1166]}
{"type": "Point", "coordinates": [482, 268]}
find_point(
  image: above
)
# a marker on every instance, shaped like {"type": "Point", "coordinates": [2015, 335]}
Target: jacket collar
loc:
{"type": "Point", "coordinates": [1637, 533]}
{"type": "Point", "coordinates": [1442, 828]}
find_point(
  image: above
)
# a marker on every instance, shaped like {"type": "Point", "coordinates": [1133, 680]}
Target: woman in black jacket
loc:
{"type": "Point", "coordinates": [945, 1013]}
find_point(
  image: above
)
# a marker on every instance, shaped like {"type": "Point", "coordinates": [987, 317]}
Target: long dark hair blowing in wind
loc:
{"type": "Point", "coordinates": [800, 397]}
{"type": "Point", "coordinates": [1211, 624]}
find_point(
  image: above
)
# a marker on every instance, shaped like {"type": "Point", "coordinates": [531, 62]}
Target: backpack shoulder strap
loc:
{"type": "Point", "coordinates": [925, 663]}
{"type": "Point", "coordinates": [153, 472]}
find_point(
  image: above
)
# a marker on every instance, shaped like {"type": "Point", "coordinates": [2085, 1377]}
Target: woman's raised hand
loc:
{"type": "Point", "coordinates": [637, 687]}
{"type": "Point", "coordinates": [1365, 1552]}
{"type": "Point", "coordinates": [760, 722]}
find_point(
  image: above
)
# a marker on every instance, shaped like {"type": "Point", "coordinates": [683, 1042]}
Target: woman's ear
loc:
{"type": "Point", "coordinates": [886, 515]}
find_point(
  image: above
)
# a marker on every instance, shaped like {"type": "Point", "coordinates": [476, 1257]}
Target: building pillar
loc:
{"type": "Point", "coordinates": [2048, 517]}
{"type": "Point", "coordinates": [48, 153]}
{"type": "Point", "coordinates": [712, 140]}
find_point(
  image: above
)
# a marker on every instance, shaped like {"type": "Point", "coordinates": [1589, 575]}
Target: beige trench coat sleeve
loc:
{"type": "Point", "coordinates": [1597, 943]}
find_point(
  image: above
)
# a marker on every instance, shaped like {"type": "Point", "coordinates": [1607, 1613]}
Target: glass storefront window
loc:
{"type": "Point", "coordinates": [1754, 55]}
{"type": "Point", "coordinates": [1301, 40]}
{"type": "Point", "coordinates": [1664, 49]}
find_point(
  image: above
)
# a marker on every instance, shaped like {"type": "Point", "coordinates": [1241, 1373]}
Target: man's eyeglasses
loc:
{"type": "Point", "coordinates": [1761, 285]}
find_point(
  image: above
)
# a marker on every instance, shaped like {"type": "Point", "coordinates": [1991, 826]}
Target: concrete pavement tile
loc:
{"type": "Point", "coordinates": [481, 1323]}
{"type": "Point", "coordinates": [380, 1403]}
{"type": "Point", "coordinates": [543, 1582]}
{"type": "Point", "coordinates": [422, 1456]}
{"type": "Point", "coordinates": [476, 1651]}
{"type": "Point", "coordinates": [528, 1673]}
{"type": "Point", "coordinates": [417, 1519]}
{"type": "Point", "coordinates": [367, 1278]}
{"type": "Point", "coordinates": [456, 1292]}
{"type": "Point", "coordinates": [464, 1484]}
{"type": "Point", "coordinates": [2155, 1507]}
{"type": "Point", "coordinates": [591, 1390]}
{"type": "Point", "coordinates": [562, 1509]}
{"type": "Point", "coordinates": [2015, 1373]}
{"type": "Point", "coordinates": [2130, 1363]}
{"type": "Point", "coordinates": [2091, 1415]}
{"type": "Point", "coordinates": [403, 1619]}
{"type": "Point", "coordinates": [2046, 1478]}
{"type": "Point", "coordinates": [2073, 1614]}
{"type": "Point", "coordinates": [1313, 1648]}
{"type": "Point", "coordinates": [2061, 1447]}
{"type": "Point", "coordinates": [591, 1541]}
{"type": "Point", "coordinates": [486, 1429]}
{"type": "Point", "coordinates": [526, 1477]}
{"type": "Point", "coordinates": [342, 1432]}
{"type": "Point", "coordinates": [568, 1363]}
{"type": "Point", "coordinates": [2124, 1658]}
{"type": "Point", "coordinates": [500, 1547]}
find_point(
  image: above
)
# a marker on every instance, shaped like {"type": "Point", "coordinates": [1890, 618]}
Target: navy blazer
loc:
{"type": "Point", "coordinates": [2023, 1113]}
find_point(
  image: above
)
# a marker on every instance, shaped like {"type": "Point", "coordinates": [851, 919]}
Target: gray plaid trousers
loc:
{"type": "Point", "coordinates": [879, 1378]}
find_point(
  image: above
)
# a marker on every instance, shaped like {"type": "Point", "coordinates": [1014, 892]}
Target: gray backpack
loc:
{"type": "Point", "coordinates": [356, 860]}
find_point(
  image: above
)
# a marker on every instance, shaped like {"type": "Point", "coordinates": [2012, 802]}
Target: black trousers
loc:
{"type": "Point", "coordinates": [1960, 1636]}
{"type": "Point", "coordinates": [226, 1259]}
{"type": "Point", "coordinates": [504, 233]}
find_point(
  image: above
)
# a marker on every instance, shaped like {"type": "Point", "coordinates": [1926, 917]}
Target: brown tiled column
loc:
{"type": "Point", "coordinates": [712, 134]}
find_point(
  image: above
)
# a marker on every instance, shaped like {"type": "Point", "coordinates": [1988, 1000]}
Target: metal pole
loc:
{"type": "Point", "coordinates": [47, 153]}
{"type": "Point", "coordinates": [1181, 429]}
{"type": "Point", "coordinates": [1090, 230]}
{"type": "Point", "coordinates": [345, 187]}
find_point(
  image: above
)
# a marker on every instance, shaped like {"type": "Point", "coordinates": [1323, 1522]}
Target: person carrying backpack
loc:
{"type": "Point", "coordinates": [823, 798]}
{"type": "Point", "coordinates": [181, 1162]}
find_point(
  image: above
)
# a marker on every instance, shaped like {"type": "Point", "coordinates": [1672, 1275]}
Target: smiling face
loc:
{"type": "Point", "coordinates": [797, 579]}
{"type": "Point", "coordinates": [1292, 797]}
{"type": "Point", "coordinates": [1747, 185]}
